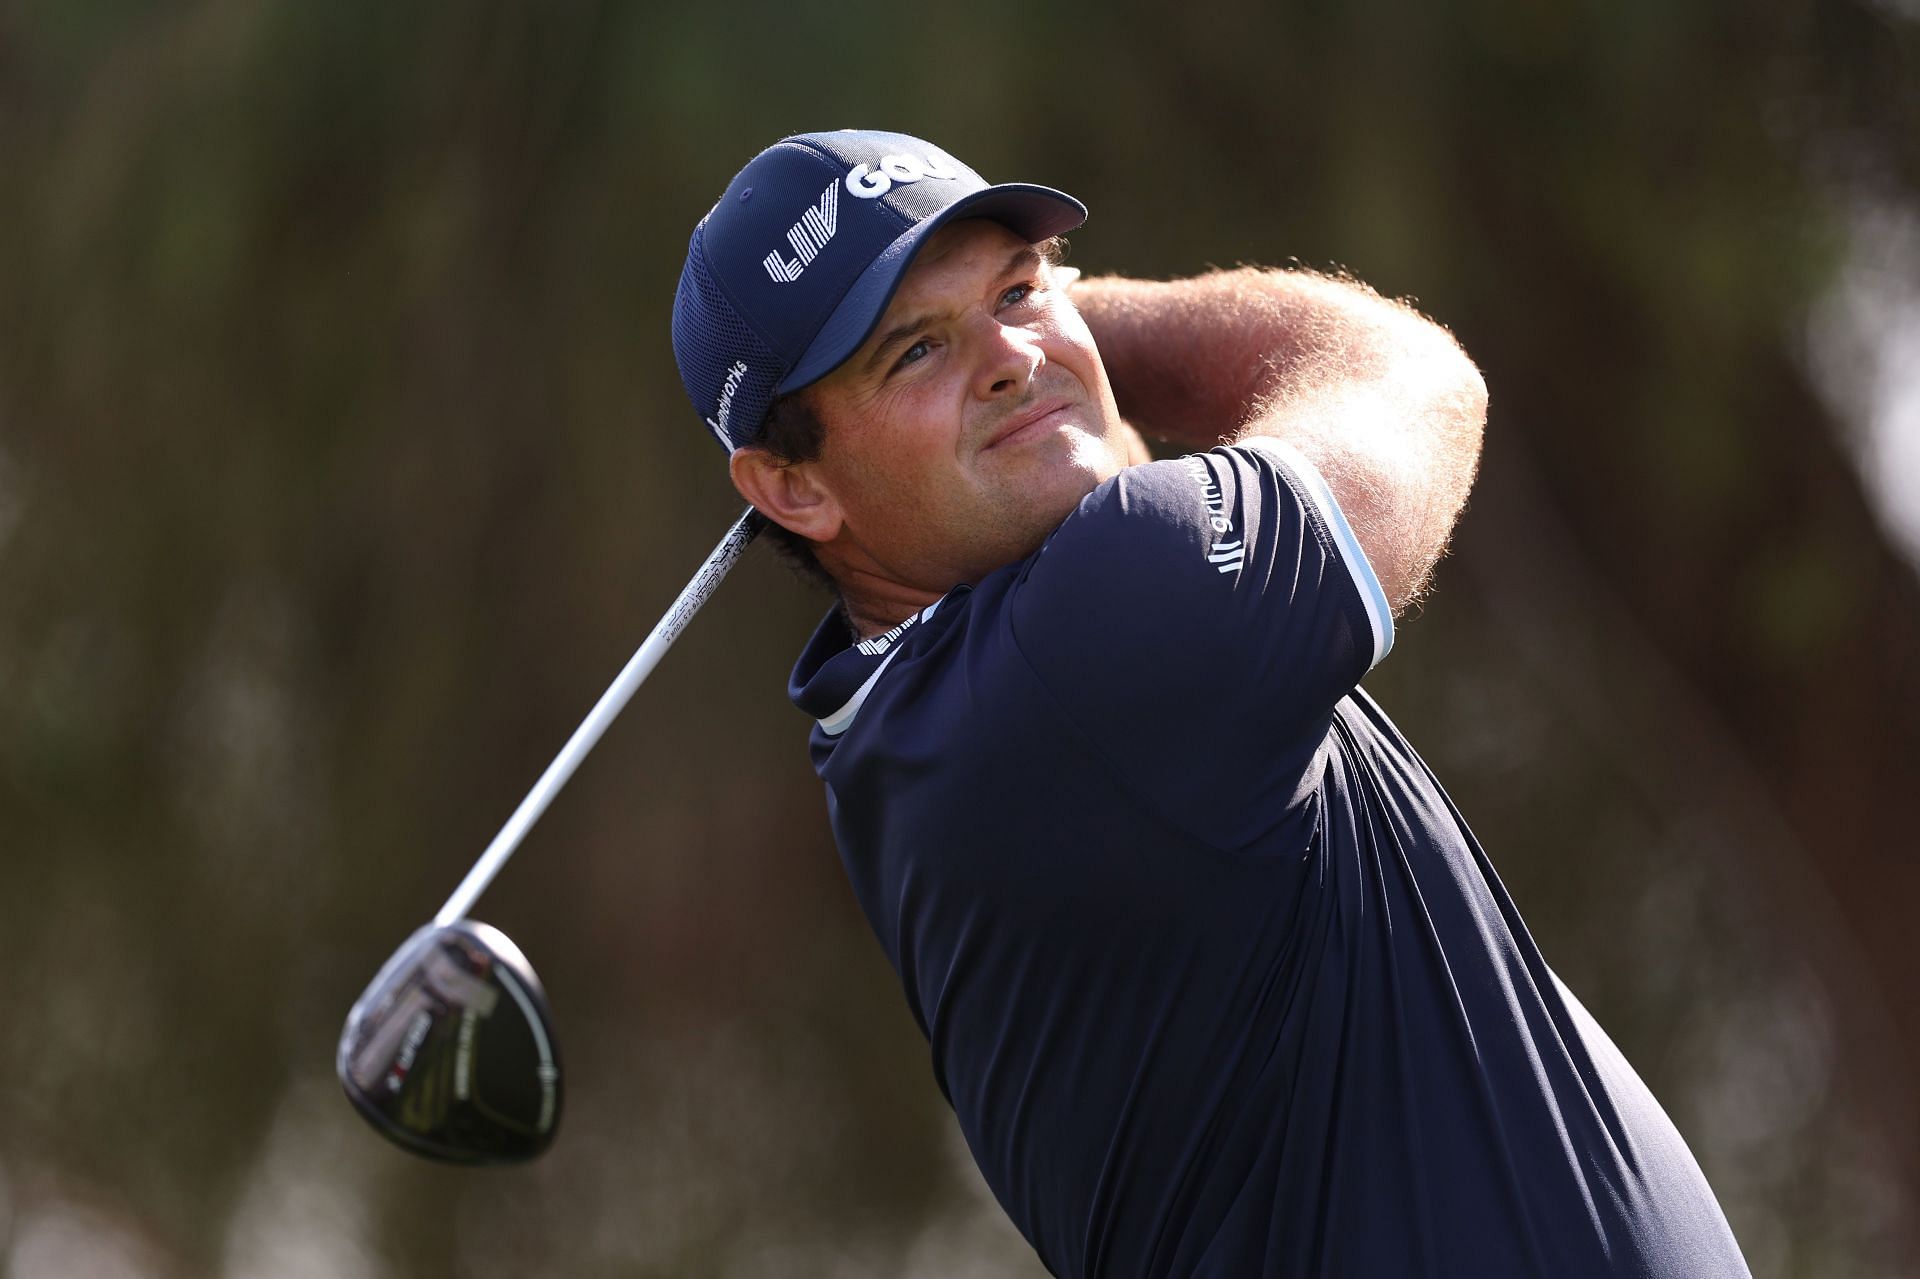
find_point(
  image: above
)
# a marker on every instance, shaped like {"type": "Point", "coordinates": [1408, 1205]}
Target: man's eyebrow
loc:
{"type": "Point", "coordinates": [1026, 257]}
{"type": "Point", "coordinates": [895, 336]}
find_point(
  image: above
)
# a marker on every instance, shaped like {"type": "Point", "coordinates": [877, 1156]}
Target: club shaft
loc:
{"type": "Point", "coordinates": [611, 703]}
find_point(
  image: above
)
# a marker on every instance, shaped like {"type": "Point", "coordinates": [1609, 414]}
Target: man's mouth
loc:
{"type": "Point", "coordinates": [1039, 418]}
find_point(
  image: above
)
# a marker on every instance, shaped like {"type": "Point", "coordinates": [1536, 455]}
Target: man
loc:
{"type": "Point", "coordinates": [1215, 977]}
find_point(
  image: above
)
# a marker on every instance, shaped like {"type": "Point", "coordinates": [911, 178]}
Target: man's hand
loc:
{"type": "Point", "coordinates": [1383, 401]}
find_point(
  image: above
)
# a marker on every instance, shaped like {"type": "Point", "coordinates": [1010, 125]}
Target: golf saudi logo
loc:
{"type": "Point", "coordinates": [1226, 554]}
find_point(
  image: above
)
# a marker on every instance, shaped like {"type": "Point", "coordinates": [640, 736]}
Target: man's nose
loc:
{"type": "Point", "coordinates": [1012, 357]}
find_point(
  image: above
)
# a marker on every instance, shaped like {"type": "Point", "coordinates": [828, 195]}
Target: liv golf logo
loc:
{"type": "Point", "coordinates": [816, 226]}
{"type": "Point", "coordinates": [807, 236]}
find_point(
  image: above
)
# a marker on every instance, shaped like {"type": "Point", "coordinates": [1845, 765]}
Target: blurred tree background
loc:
{"type": "Point", "coordinates": [343, 462]}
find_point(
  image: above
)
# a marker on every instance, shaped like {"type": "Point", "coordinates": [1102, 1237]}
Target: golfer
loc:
{"type": "Point", "coordinates": [1215, 977]}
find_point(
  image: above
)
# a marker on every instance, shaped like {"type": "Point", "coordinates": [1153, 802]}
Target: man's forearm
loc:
{"type": "Point", "coordinates": [1382, 400]}
{"type": "Point", "coordinates": [1193, 360]}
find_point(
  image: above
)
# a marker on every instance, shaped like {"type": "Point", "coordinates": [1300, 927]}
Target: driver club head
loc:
{"type": "Point", "coordinates": [449, 1052]}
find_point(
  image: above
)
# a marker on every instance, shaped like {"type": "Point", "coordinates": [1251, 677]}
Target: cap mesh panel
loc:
{"type": "Point", "coordinates": [709, 340]}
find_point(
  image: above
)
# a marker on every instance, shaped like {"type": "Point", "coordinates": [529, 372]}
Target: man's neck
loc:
{"type": "Point", "coordinates": [872, 613]}
{"type": "Point", "coordinates": [871, 599]}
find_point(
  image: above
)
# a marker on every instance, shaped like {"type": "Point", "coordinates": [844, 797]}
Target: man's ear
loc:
{"type": "Point", "coordinates": [788, 493]}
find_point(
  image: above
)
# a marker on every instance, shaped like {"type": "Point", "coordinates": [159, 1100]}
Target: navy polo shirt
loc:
{"type": "Point", "coordinates": [1214, 975]}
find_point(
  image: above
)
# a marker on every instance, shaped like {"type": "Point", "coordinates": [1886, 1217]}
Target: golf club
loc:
{"type": "Point", "coordinates": [449, 1052]}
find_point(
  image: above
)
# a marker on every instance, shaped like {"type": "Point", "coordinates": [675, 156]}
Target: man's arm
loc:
{"type": "Point", "coordinates": [1383, 401]}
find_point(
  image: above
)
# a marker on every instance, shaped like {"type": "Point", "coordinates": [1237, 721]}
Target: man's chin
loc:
{"type": "Point", "coordinates": [1048, 506]}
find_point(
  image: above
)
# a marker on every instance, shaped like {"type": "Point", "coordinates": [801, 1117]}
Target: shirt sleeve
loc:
{"type": "Point", "coordinates": [1198, 619]}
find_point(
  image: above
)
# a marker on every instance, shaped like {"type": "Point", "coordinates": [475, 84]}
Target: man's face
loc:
{"type": "Point", "coordinates": [973, 419]}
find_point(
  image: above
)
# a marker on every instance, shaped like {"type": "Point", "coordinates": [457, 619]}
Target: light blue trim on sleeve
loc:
{"type": "Point", "coordinates": [1379, 614]}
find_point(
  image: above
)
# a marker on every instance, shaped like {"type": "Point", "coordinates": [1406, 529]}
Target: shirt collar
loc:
{"type": "Point", "coordinates": [837, 670]}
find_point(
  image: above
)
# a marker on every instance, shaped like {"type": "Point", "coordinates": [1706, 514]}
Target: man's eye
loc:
{"type": "Point", "coordinates": [1018, 293]}
{"type": "Point", "coordinates": [912, 354]}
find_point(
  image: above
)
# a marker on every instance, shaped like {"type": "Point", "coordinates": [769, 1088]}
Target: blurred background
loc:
{"type": "Point", "coordinates": [343, 463]}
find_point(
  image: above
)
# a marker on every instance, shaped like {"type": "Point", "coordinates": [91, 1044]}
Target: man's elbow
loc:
{"type": "Point", "coordinates": [1470, 400]}
{"type": "Point", "coordinates": [1444, 460]}
{"type": "Point", "coordinates": [1450, 377]}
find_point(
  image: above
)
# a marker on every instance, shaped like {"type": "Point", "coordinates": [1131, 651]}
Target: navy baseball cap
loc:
{"type": "Point", "coordinates": [793, 268]}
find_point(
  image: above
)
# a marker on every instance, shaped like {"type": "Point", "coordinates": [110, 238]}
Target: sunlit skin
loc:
{"type": "Point", "coordinates": [970, 423]}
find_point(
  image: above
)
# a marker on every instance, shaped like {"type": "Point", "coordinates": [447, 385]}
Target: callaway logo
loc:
{"type": "Point", "coordinates": [895, 168]}
{"type": "Point", "coordinates": [807, 236]}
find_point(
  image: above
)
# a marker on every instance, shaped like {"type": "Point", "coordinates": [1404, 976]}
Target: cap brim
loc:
{"type": "Point", "coordinates": [1035, 212]}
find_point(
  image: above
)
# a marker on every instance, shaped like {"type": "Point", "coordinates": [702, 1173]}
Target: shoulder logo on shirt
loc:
{"type": "Point", "coordinates": [807, 236]}
{"type": "Point", "coordinates": [1227, 552]}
